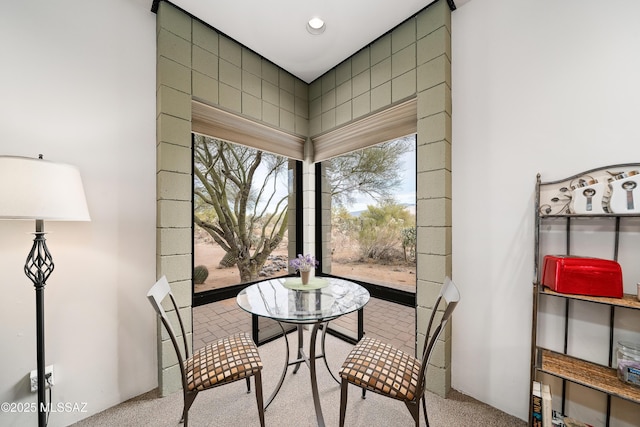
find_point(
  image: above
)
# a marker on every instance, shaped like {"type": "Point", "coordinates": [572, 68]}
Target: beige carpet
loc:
{"type": "Point", "coordinates": [230, 405]}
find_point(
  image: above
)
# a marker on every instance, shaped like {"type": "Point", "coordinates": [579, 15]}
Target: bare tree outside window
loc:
{"type": "Point", "coordinates": [240, 203]}
{"type": "Point", "coordinates": [373, 172]}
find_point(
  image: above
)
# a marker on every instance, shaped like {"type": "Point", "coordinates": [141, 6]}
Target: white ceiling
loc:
{"type": "Point", "coordinates": [277, 29]}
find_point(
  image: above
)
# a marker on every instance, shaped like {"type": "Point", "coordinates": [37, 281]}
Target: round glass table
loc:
{"type": "Point", "coordinates": [287, 300]}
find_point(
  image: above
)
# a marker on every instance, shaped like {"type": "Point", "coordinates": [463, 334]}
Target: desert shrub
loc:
{"type": "Point", "coordinates": [379, 242]}
{"type": "Point", "coordinates": [344, 226]}
{"type": "Point", "coordinates": [409, 243]}
{"type": "Point", "coordinates": [381, 231]}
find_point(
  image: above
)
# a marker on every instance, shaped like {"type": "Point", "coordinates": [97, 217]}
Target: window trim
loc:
{"type": "Point", "coordinates": [208, 120]}
{"type": "Point", "coordinates": [394, 122]}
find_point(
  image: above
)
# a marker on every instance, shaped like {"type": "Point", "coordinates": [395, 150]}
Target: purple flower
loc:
{"type": "Point", "coordinates": [303, 263]}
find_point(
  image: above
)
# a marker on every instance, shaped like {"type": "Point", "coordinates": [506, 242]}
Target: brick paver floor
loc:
{"type": "Point", "coordinates": [392, 323]}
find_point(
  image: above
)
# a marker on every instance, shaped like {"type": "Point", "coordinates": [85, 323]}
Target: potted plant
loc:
{"type": "Point", "coordinates": [304, 264]}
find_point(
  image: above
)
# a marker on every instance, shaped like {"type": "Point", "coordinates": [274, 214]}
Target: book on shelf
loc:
{"type": "Point", "coordinates": [536, 396]}
{"type": "Point", "coordinates": [546, 406]}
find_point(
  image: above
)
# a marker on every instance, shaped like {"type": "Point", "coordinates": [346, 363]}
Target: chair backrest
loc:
{"type": "Point", "coordinates": [450, 296]}
{"type": "Point", "coordinates": [157, 294]}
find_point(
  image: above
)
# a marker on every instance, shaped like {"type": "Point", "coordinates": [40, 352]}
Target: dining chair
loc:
{"type": "Point", "coordinates": [221, 362]}
{"type": "Point", "coordinates": [383, 369]}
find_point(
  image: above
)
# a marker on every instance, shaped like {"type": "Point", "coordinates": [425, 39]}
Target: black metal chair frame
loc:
{"type": "Point", "coordinates": [156, 295]}
{"type": "Point", "coordinates": [450, 295]}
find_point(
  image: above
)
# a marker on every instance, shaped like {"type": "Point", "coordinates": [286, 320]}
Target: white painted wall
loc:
{"type": "Point", "coordinates": [78, 85]}
{"type": "Point", "coordinates": [538, 86]}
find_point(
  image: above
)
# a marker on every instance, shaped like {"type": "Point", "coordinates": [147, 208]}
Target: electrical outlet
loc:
{"type": "Point", "coordinates": [48, 378]}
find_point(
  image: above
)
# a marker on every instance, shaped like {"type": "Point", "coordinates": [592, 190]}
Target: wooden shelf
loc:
{"type": "Point", "coordinates": [588, 374]}
{"type": "Point", "coordinates": [627, 300]}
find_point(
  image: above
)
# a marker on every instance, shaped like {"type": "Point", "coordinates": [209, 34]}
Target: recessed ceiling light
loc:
{"type": "Point", "coordinates": [316, 26]}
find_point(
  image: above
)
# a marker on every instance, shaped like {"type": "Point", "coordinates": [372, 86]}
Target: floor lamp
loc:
{"type": "Point", "coordinates": [40, 190]}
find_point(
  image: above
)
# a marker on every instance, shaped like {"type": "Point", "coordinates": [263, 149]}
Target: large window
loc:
{"type": "Point", "coordinates": [241, 213]}
{"type": "Point", "coordinates": [372, 194]}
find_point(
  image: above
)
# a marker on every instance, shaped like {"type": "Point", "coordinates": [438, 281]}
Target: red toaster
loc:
{"type": "Point", "coordinates": [582, 276]}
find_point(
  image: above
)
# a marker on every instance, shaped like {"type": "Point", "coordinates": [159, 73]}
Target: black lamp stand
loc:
{"type": "Point", "coordinates": [38, 268]}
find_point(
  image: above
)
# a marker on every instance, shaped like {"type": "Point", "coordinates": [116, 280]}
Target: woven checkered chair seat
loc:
{"type": "Point", "coordinates": [378, 367]}
{"type": "Point", "coordinates": [226, 360]}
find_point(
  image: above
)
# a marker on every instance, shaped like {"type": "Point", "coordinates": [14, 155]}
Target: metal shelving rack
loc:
{"type": "Point", "coordinates": [561, 364]}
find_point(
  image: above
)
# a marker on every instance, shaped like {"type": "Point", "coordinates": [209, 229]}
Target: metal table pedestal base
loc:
{"type": "Point", "coordinates": [309, 360]}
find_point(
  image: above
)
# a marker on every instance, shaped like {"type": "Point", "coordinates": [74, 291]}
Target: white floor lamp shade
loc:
{"type": "Point", "coordinates": [39, 189]}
